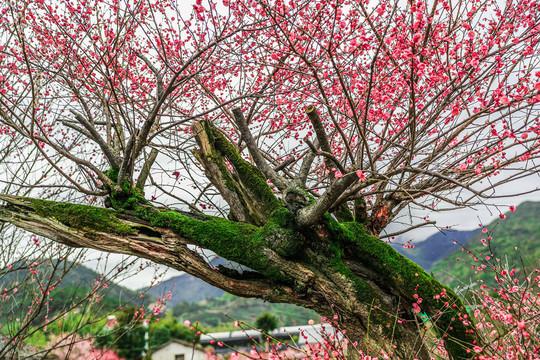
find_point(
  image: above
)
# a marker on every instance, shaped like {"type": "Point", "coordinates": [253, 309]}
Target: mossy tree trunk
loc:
{"type": "Point", "coordinates": [333, 267]}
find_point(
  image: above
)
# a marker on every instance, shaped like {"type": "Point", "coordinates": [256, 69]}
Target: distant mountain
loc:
{"type": "Point", "coordinates": [436, 247]}
{"type": "Point", "coordinates": [75, 285]}
{"type": "Point", "coordinates": [84, 277]}
{"type": "Point", "coordinates": [79, 276]}
{"type": "Point", "coordinates": [515, 241]}
{"type": "Point", "coordinates": [185, 288]}
{"type": "Point", "coordinates": [188, 288]}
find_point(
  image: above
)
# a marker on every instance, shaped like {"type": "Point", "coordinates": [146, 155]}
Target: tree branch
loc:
{"type": "Point", "coordinates": [311, 215]}
{"type": "Point", "coordinates": [329, 156]}
{"type": "Point", "coordinates": [114, 160]}
{"type": "Point", "coordinates": [270, 173]}
{"type": "Point", "coordinates": [306, 165]}
{"type": "Point", "coordinates": [133, 236]}
{"type": "Point", "coordinates": [145, 171]}
{"type": "Point", "coordinates": [284, 164]}
{"type": "Point", "coordinates": [311, 111]}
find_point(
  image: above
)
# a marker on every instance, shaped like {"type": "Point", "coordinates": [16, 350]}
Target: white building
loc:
{"type": "Point", "coordinates": [178, 350]}
{"type": "Point", "coordinates": [243, 340]}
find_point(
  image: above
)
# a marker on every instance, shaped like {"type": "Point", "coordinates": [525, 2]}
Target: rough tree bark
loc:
{"type": "Point", "coordinates": [334, 268]}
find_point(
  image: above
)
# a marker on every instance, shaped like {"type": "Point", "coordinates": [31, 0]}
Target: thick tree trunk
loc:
{"type": "Point", "coordinates": [339, 270]}
{"type": "Point", "coordinates": [299, 253]}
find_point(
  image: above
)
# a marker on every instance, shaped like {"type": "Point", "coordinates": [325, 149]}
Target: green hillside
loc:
{"type": "Point", "coordinates": [520, 230]}
{"type": "Point", "coordinates": [210, 313]}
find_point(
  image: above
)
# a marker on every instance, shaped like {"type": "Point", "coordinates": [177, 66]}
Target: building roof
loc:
{"type": "Point", "coordinates": [312, 332]}
{"type": "Point", "coordinates": [181, 342]}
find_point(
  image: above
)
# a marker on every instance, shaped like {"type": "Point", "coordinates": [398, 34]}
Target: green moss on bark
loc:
{"type": "Point", "coordinates": [82, 217]}
{"type": "Point", "coordinates": [233, 185]}
{"type": "Point", "coordinates": [360, 211]}
{"type": "Point", "coordinates": [343, 213]}
{"type": "Point", "coordinates": [439, 301]}
{"type": "Point", "coordinates": [364, 291]}
{"type": "Point", "coordinates": [250, 176]}
{"type": "Point", "coordinates": [365, 294]}
{"type": "Point", "coordinates": [112, 174]}
{"type": "Point", "coordinates": [282, 234]}
{"type": "Point", "coordinates": [240, 242]}
{"type": "Point", "coordinates": [124, 197]}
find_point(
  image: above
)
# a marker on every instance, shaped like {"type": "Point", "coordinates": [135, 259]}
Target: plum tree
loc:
{"type": "Point", "coordinates": [284, 136]}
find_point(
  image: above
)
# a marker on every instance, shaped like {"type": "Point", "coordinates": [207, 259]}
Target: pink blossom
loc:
{"type": "Point", "coordinates": [361, 175]}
